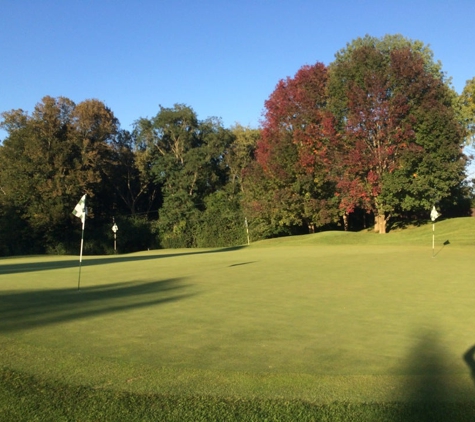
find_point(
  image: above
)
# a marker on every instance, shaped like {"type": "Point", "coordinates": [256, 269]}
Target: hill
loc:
{"type": "Point", "coordinates": [456, 231]}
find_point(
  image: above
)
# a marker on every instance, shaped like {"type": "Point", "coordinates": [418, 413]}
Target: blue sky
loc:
{"type": "Point", "coordinates": [222, 58]}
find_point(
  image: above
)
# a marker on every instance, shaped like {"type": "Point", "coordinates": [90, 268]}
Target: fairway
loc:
{"type": "Point", "coordinates": [304, 320]}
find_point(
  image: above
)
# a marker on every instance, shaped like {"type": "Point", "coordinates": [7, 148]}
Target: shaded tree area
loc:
{"type": "Point", "coordinates": [174, 181]}
{"type": "Point", "coordinates": [47, 162]}
{"type": "Point", "coordinates": [374, 138]}
{"type": "Point", "coordinates": [197, 165]}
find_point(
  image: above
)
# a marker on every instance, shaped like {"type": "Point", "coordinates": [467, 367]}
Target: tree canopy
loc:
{"type": "Point", "coordinates": [51, 158]}
{"type": "Point", "coordinates": [376, 136]}
{"type": "Point", "coordinates": [376, 131]}
{"type": "Point", "coordinates": [468, 109]}
{"type": "Point", "coordinates": [400, 143]}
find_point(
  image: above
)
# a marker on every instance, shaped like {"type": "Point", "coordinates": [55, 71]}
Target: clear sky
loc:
{"type": "Point", "coordinates": [221, 57]}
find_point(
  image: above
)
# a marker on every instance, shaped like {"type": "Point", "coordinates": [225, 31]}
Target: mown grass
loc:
{"type": "Point", "coordinates": [323, 326]}
{"type": "Point", "coordinates": [26, 398]}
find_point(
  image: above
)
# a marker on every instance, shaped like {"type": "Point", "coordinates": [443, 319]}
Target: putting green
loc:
{"type": "Point", "coordinates": [299, 320]}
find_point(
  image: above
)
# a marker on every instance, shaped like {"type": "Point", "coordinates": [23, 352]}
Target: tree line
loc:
{"type": "Point", "coordinates": [373, 139]}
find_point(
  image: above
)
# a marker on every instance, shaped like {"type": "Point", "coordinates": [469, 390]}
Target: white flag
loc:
{"type": "Point", "coordinates": [80, 209]}
{"type": "Point", "coordinates": [434, 214]}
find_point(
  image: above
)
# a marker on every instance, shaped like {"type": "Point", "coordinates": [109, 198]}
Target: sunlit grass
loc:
{"type": "Point", "coordinates": [346, 317]}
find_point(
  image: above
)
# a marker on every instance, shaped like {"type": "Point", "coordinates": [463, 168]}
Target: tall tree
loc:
{"type": "Point", "coordinates": [188, 163]}
{"type": "Point", "coordinates": [293, 151]}
{"type": "Point", "coordinates": [49, 159]}
{"type": "Point", "coordinates": [401, 139]}
{"type": "Point", "coordinates": [130, 175]}
{"type": "Point", "coordinates": [468, 109]}
{"type": "Point", "coordinates": [240, 154]}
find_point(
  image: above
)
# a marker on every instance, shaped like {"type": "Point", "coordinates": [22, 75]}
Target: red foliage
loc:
{"type": "Point", "coordinates": [295, 115]}
{"type": "Point", "coordinates": [379, 125]}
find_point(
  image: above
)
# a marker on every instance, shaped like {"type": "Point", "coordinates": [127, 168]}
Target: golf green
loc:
{"type": "Point", "coordinates": [299, 319]}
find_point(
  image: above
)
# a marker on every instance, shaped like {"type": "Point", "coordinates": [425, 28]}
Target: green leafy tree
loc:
{"type": "Point", "coordinates": [468, 110]}
{"type": "Point", "coordinates": [130, 176]}
{"type": "Point", "coordinates": [240, 154]}
{"type": "Point", "coordinates": [50, 159]}
{"type": "Point", "coordinates": [188, 164]}
{"type": "Point", "coordinates": [221, 224]}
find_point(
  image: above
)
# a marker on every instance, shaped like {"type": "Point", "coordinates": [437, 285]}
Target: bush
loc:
{"type": "Point", "coordinates": [222, 223]}
{"type": "Point", "coordinates": [134, 234]}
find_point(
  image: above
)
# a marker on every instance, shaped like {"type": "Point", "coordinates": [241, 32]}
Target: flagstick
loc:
{"type": "Point", "coordinates": [433, 239]}
{"type": "Point", "coordinates": [247, 231]}
{"type": "Point", "coordinates": [433, 216]}
{"type": "Point", "coordinates": [81, 211]}
{"type": "Point", "coordinates": [80, 253]}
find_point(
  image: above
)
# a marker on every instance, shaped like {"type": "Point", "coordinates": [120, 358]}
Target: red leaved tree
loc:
{"type": "Point", "coordinates": [384, 96]}
{"type": "Point", "coordinates": [293, 151]}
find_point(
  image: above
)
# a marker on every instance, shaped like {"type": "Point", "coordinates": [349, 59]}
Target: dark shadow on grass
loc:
{"type": "Point", "coordinates": [404, 223]}
{"type": "Point", "coordinates": [443, 246]}
{"type": "Point", "coordinates": [469, 358]}
{"type": "Point", "coordinates": [430, 393]}
{"type": "Point", "coordinates": [242, 263]}
{"type": "Point", "coordinates": [40, 265]}
{"type": "Point", "coordinates": [24, 310]}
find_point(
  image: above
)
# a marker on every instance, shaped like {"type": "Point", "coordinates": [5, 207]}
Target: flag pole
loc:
{"type": "Point", "coordinates": [80, 252]}
{"type": "Point", "coordinates": [247, 230]}
{"type": "Point", "coordinates": [80, 211]}
{"type": "Point", "coordinates": [433, 216]}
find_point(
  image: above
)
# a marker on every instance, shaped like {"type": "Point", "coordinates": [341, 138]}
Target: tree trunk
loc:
{"type": "Point", "coordinates": [311, 228]}
{"type": "Point", "coordinates": [345, 221]}
{"type": "Point", "coordinates": [380, 223]}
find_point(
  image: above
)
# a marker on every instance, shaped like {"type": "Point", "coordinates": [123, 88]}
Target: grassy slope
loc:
{"type": "Point", "coordinates": [289, 318]}
{"type": "Point", "coordinates": [458, 231]}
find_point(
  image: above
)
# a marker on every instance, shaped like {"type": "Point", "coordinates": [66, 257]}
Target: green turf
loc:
{"type": "Point", "coordinates": [355, 318]}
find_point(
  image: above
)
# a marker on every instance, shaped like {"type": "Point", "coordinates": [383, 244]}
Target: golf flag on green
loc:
{"type": "Point", "coordinates": [434, 214]}
{"type": "Point", "coordinates": [80, 209]}
{"type": "Point", "coordinates": [80, 212]}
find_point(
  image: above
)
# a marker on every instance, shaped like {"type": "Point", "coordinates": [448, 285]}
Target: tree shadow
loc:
{"type": "Point", "coordinates": [25, 310]}
{"type": "Point", "coordinates": [41, 265]}
{"type": "Point", "coordinates": [404, 223]}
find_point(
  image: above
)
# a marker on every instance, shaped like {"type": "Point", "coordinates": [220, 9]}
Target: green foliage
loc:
{"type": "Point", "coordinates": [192, 161]}
{"type": "Point", "coordinates": [221, 224]}
{"type": "Point", "coordinates": [176, 221]}
{"type": "Point", "coordinates": [388, 43]}
{"type": "Point", "coordinates": [135, 234]}
{"type": "Point", "coordinates": [240, 155]}
{"type": "Point", "coordinates": [467, 101]}
{"type": "Point", "coordinates": [129, 175]}
{"type": "Point", "coordinates": [49, 159]}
